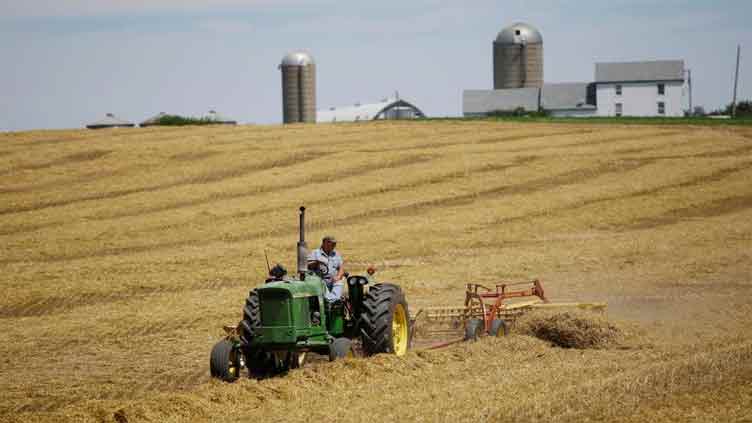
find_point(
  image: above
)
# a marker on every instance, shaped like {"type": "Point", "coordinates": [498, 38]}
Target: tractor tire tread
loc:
{"type": "Point", "coordinates": [377, 319]}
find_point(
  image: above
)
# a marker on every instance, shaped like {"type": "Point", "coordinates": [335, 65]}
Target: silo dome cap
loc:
{"type": "Point", "coordinates": [297, 58]}
{"type": "Point", "coordinates": [519, 33]}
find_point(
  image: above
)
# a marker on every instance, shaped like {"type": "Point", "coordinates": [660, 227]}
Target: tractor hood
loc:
{"type": "Point", "coordinates": [312, 286]}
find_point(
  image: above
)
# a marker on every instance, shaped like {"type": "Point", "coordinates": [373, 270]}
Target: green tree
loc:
{"type": "Point", "coordinates": [743, 109]}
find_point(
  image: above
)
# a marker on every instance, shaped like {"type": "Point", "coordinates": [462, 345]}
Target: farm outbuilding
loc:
{"type": "Point", "coordinates": [643, 88]}
{"type": "Point", "coordinates": [575, 99]}
{"type": "Point", "coordinates": [110, 121]}
{"type": "Point", "coordinates": [218, 119]}
{"type": "Point", "coordinates": [388, 108]}
{"type": "Point", "coordinates": [569, 99]}
{"type": "Point", "coordinates": [651, 88]}
{"type": "Point", "coordinates": [484, 102]}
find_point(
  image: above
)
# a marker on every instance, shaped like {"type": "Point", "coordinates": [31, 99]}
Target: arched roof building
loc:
{"type": "Point", "coordinates": [389, 108]}
{"type": "Point", "coordinates": [110, 121]}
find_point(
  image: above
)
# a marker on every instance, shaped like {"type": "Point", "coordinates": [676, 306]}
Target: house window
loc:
{"type": "Point", "coordinates": [618, 90]}
{"type": "Point", "coordinates": [661, 89]}
{"type": "Point", "coordinates": [661, 108]}
{"type": "Point", "coordinates": [618, 109]}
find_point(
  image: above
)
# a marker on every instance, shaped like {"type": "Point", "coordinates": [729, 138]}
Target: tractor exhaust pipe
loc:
{"type": "Point", "coordinates": [302, 247]}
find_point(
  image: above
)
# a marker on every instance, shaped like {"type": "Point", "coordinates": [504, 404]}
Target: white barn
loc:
{"type": "Point", "coordinates": [388, 108]}
{"type": "Point", "coordinates": [654, 88]}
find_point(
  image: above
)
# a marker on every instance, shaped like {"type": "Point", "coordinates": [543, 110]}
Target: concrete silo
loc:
{"type": "Point", "coordinates": [518, 57]}
{"type": "Point", "coordinates": [298, 88]}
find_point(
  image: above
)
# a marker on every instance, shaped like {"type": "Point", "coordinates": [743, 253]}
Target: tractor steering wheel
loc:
{"type": "Point", "coordinates": [319, 267]}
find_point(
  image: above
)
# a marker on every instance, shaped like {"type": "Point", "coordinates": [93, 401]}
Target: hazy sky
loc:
{"type": "Point", "coordinates": [67, 62]}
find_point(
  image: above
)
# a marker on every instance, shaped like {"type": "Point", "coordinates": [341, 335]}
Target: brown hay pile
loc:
{"type": "Point", "coordinates": [571, 329]}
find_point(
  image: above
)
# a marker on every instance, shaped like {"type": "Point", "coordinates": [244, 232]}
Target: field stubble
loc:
{"type": "Point", "coordinates": [123, 252]}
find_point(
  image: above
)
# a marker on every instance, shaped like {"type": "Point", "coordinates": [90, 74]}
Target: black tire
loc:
{"type": "Point", "coordinates": [340, 348]}
{"type": "Point", "coordinates": [498, 328]}
{"type": "Point", "coordinates": [474, 329]}
{"type": "Point", "coordinates": [380, 305]}
{"type": "Point", "coordinates": [251, 318]}
{"type": "Point", "coordinates": [224, 362]}
{"type": "Point", "coordinates": [258, 363]}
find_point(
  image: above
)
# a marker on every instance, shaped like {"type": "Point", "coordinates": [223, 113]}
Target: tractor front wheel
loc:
{"type": "Point", "coordinates": [224, 362]}
{"type": "Point", "coordinates": [385, 321]}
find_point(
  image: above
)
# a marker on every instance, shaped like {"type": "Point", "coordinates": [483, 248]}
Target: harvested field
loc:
{"type": "Point", "coordinates": [124, 252]}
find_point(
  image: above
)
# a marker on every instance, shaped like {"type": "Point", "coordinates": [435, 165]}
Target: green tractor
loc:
{"type": "Point", "coordinates": [287, 318]}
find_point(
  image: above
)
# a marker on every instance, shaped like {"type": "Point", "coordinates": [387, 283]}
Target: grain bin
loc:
{"type": "Point", "coordinates": [298, 88]}
{"type": "Point", "coordinates": [518, 58]}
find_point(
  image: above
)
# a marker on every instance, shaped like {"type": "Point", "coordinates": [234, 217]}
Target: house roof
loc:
{"type": "Point", "coordinates": [486, 101]}
{"type": "Point", "coordinates": [660, 70]}
{"type": "Point", "coordinates": [566, 96]}
{"type": "Point", "coordinates": [360, 112]}
{"type": "Point", "coordinates": [110, 121]}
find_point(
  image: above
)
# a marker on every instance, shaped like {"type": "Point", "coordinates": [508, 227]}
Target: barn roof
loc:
{"type": "Point", "coordinates": [110, 121]}
{"type": "Point", "coordinates": [481, 102]}
{"type": "Point", "coordinates": [659, 70]}
{"type": "Point", "coordinates": [360, 112]}
{"type": "Point", "coordinates": [567, 96]}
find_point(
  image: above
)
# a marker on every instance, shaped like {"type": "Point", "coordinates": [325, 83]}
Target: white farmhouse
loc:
{"type": "Point", "coordinates": [654, 88]}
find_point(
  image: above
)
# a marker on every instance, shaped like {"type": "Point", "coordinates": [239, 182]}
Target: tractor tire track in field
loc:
{"type": "Point", "coordinates": [314, 179]}
{"type": "Point", "coordinates": [566, 178]}
{"type": "Point", "coordinates": [76, 158]}
{"type": "Point", "coordinates": [164, 134]}
{"type": "Point", "coordinates": [572, 177]}
{"type": "Point", "coordinates": [716, 176]}
{"type": "Point", "coordinates": [204, 179]}
{"type": "Point", "coordinates": [736, 152]}
{"type": "Point", "coordinates": [192, 156]}
{"type": "Point", "coordinates": [480, 141]}
{"type": "Point", "coordinates": [60, 304]}
{"type": "Point", "coordinates": [608, 140]}
{"type": "Point", "coordinates": [57, 183]}
{"type": "Point", "coordinates": [708, 209]}
{"type": "Point", "coordinates": [493, 168]}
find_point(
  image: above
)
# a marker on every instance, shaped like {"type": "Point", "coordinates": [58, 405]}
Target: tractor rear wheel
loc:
{"type": "Point", "coordinates": [498, 328]}
{"type": "Point", "coordinates": [474, 329]}
{"type": "Point", "coordinates": [224, 362]}
{"type": "Point", "coordinates": [385, 321]}
{"type": "Point", "coordinates": [251, 318]}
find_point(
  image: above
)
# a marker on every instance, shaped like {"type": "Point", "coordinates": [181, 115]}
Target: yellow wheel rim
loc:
{"type": "Point", "coordinates": [232, 370]}
{"type": "Point", "coordinates": [399, 330]}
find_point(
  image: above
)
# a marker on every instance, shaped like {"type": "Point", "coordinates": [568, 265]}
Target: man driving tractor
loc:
{"type": "Point", "coordinates": [330, 265]}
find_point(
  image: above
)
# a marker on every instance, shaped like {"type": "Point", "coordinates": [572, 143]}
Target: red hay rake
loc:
{"type": "Point", "coordinates": [485, 308]}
